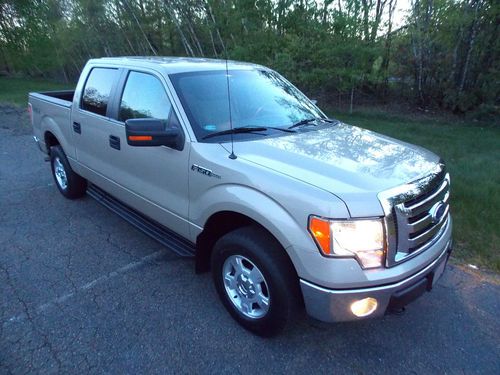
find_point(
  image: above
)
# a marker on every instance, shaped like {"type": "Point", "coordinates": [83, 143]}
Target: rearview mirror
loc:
{"type": "Point", "coordinates": [153, 132]}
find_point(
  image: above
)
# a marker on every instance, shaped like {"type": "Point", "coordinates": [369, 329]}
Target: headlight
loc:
{"type": "Point", "coordinates": [362, 239]}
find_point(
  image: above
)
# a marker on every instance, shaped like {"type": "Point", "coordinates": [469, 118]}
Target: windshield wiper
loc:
{"type": "Point", "coordinates": [249, 129]}
{"type": "Point", "coordinates": [246, 129]}
{"type": "Point", "coordinates": [308, 121]}
{"type": "Point", "coordinates": [287, 130]}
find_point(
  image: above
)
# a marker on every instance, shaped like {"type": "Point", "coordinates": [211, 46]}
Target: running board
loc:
{"type": "Point", "coordinates": [163, 235]}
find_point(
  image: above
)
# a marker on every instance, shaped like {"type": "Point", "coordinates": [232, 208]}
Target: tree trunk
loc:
{"type": "Point", "coordinates": [352, 100]}
{"type": "Point", "coordinates": [453, 73]}
{"type": "Point", "coordinates": [366, 12]}
{"type": "Point", "coordinates": [146, 39]}
{"type": "Point", "coordinates": [379, 10]}
{"type": "Point", "coordinates": [208, 9]}
{"type": "Point", "coordinates": [185, 42]}
{"type": "Point", "coordinates": [213, 44]}
{"type": "Point", "coordinates": [417, 37]}
{"type": "Point", "coordinates": [388, 44]}
{"type": "Point", "coordinates": [470, 46]}
{"type": "Point", "coordinates": [194, 37]}
{"type": "Point", "coordinates": [325, 11]}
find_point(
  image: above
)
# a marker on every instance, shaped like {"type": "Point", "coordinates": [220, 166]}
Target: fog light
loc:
{"type": "Point", "coordinates": [364, 307]}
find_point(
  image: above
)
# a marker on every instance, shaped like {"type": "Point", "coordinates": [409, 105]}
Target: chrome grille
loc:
{"type": "Point", "coordinates": [421, 219]}
{"type": "Point", "coordinates": [416, 215]}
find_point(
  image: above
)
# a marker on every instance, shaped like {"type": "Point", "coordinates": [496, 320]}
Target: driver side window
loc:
{"type": "Point", "coordinates": [144, 97]}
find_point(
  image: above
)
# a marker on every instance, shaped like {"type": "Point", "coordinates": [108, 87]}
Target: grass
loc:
{"type": "Point", "coordinates": [15, 90]}
{"type": "Point", "coordinates": [472, 154]}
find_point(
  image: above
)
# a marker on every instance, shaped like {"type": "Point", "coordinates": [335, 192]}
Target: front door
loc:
{"type": "Point", "coordinates": [153, 180]}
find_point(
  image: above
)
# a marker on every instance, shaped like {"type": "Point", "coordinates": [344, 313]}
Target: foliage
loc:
{"type": "Point", "coordinates": [15, 90]}
{"type": "Point", "coordinates": [446, 54]}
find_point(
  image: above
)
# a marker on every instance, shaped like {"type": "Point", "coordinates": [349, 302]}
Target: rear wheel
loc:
{"type": "Point", "coordinates": [255, 280]}
{"type": "Point", "coordinates": [70, 184]}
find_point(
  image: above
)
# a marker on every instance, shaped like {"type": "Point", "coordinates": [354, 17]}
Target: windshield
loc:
{"type": "Point", "coordinates": [259, 98]}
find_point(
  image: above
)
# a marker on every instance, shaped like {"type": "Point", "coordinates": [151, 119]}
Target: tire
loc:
{"type": "Point", "coordinates": [71, 185]}
{"type": "Point", "coordinates": [244, 250]}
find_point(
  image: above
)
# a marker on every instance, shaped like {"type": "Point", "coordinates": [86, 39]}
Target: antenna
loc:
{"type": "Point", "coordinates": [232, 155]}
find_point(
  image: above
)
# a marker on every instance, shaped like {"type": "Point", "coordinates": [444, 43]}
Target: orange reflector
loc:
{"type": "Point", "coordinates": [140, 138]}
{"type": "Point", "coordinates": [320, 229]}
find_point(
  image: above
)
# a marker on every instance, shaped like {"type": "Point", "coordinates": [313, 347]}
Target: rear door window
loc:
{"type": "Point", "coordinates": [98, 90]}
{"type": "Point", "coordinates": [144, 97]}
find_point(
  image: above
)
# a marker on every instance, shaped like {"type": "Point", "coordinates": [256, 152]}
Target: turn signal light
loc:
{"type": "Point", "coordinates": [140, 138]}
{"type": "Point", "coordinates": [320, 230]}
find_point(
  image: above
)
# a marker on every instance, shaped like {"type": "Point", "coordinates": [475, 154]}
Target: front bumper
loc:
{"type": "Point", "coordinates": [330, 305]}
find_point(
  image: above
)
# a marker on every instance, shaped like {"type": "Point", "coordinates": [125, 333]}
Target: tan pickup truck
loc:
{"type": "Point", "coordinates": [230, 163]}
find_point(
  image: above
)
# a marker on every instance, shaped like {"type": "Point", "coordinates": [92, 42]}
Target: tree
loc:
{"type": "Point", "coordinates": [448, 49]}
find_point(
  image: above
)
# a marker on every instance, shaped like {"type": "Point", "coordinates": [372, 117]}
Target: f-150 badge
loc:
{"type": "Point", "coordinates": [205, 171]}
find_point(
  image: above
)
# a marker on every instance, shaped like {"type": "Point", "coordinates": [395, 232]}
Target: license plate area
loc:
{"type": "Point", "coordinates": [403, 297]}
{"type": "Point", "coordinates": [439, 270]}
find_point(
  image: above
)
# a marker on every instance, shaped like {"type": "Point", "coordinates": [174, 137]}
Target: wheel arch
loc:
{"type": "Point", "coordinates": [221, 223]}
{"type": "Point", "coordinates": [50, 140]}
{"type": "Point", "coordinates": [226, 207]}
{"type": "Point", "coordinates": [54, 134]}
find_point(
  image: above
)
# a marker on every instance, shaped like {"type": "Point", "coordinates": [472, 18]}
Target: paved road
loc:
{"type": "Point", "coordinates": [81, 291]}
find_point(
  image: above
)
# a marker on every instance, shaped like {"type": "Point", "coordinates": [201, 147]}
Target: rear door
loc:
{"type": "Point", "coordinates": [90, 120]}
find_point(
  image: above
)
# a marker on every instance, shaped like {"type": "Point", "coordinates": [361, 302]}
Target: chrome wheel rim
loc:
{"type": "Point", "coordinates": [60, 174]}
{"type": "Point", "coordinates": [245, 286]}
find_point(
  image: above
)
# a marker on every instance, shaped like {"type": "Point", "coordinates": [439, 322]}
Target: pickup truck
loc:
{"type": "Point", "coordinates": [231, 164]}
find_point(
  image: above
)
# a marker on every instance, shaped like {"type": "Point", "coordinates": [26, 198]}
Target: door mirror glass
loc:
{"type": "Point", "coordinates": [153, 132]}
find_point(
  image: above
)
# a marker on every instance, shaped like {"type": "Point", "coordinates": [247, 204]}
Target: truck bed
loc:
{"type": "Point", "coordinates": [51, 113]}
{"type": "Point", "coordinates": [63, 97]}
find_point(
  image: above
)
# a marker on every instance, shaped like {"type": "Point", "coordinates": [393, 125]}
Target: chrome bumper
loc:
{"type": "Point", "coordinates": [331, 306]}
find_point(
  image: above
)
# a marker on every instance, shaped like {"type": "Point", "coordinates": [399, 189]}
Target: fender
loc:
{"type": "Point", "coordinates": [48, 124]}
{"type": "Point", "coordinates": [255, 205]}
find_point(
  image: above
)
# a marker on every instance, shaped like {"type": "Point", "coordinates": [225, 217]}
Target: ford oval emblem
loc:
{"type": "Point", "coordinates": [437, 212]}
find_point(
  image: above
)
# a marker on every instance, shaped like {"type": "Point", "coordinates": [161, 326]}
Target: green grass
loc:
{"type": "Point", "coordinates": [472, 155]}
{"type": "Point", "coordinates": [15, 90]}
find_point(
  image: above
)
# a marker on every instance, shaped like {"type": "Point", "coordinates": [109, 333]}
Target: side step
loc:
{"type": "Point", "coordinates": [163, 235]}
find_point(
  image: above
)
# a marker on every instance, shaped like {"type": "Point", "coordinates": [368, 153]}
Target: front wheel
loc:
{"type": "Point", "coordinates": [255, 280]}
{"type": "Point", "coordinates": [70, 184]}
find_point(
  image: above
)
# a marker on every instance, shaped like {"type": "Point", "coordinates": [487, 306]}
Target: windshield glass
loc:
{"type": "Point", "coordinates": [259, 98]}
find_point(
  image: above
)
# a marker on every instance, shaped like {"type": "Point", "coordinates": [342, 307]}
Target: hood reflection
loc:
{"type": "Point", "coordinates": [342, 153]}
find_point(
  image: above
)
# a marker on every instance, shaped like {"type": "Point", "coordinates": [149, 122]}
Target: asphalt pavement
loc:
{"type": "Point", "coordinates": [82, 291]}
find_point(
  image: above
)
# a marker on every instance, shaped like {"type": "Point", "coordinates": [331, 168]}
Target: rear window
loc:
{"type": "Point", "coordinates": [98, 89]}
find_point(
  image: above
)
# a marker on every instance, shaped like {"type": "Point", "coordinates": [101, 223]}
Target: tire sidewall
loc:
{"type": "Point", "coordinates": [56, 153]}
{"type": "Point", "coordinates": [278, 312]}
{"type": "Point", "coordinates": [76, 185]}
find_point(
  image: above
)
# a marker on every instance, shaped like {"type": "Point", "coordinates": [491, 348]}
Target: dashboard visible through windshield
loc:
{"type": "Point", "coordinates": [259, 98]}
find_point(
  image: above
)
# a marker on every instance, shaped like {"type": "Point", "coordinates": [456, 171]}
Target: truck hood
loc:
{"type": "Point", "coordinates": [352, 163]}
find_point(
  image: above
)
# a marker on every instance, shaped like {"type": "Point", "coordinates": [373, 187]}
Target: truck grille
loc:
{"type": "Point", "coordinates": [418, 217]}
{"type": "Point", "coordinates": [421, 219]}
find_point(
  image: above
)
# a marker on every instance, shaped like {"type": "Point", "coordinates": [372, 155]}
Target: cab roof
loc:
{"type": "Point", "coordinates": [173, 65]}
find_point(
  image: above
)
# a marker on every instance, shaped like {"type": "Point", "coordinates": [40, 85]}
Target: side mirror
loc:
{"type": "Point", "coordinates": [153, 132]}
{"type": "Point", "coordinates": [314, 101]}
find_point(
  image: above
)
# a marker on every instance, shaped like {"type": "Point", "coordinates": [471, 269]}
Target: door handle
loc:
{"type": "Point", "coordinates": [77, 127]}
{"type": "Point", "coordinates": [114, 142]}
